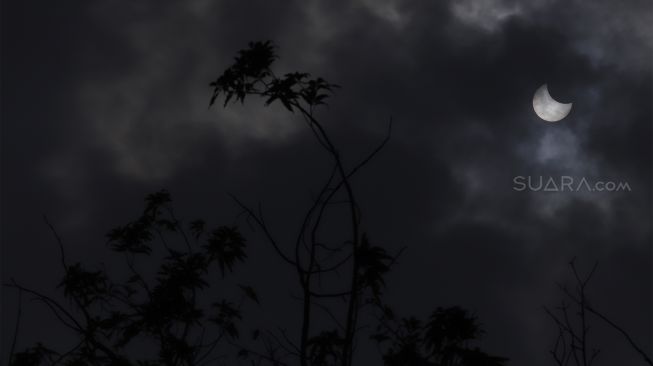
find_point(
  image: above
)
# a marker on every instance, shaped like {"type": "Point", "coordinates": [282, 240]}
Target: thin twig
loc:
{"type": "Point", "coordinates": [59, 241]}
{"type": "Point", "coordinates": [17, 327]}
{"type": "Point", "coordinates": [267, 233]}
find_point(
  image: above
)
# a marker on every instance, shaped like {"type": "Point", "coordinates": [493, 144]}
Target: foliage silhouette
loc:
{"type": "Point", "coordinates": [110, 316]}
{"type": "Point", "coordinates": [341, 281]}
{"type": "Point", "coordinates": [443, 340]}
{"type": "Point", "coordinates": [366, 263]}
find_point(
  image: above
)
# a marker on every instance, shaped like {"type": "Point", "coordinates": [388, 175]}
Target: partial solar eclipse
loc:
{"type": "Point", "coordinates": [548, 108]}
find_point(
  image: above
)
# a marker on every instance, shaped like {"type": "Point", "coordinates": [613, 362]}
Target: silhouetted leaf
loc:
{"type": "Point", "coordinates": [325, 348]}
{"type": "Point", "coordinates": [85, 286]}
{"type": "Point", "coordinates": [251, 66]}
{"type": "Point", "coordinates": [133, 237]}
{"type": "Point", "coordinates": [476, 357]}
{"type": "Point", "coordinates": [243, 354]}
{"type": "Point", "coordinates": [226, 245]}
{"type": "Point", "coordinates": [450, 327]}
{"type": "Point", "coordinates": [33, 356]}
{"type": "Point", "coordinates": [184, 271]}
{"type": "Point", "coordinates": [197, 228]}
{"type": "Point", "coordinates": [167, 224]}
{"type": "Point", "coordinates": [373, 263]}
{"type": "Point", "coordinates": [250, 293]}
{"type": "Point", "coordinates": [226, 318]}
{"type": "Point", "coordinates": [155, 200]}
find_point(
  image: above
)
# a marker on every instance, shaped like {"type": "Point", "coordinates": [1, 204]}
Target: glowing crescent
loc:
{"type": "Point", "coordinates": [548, 108]}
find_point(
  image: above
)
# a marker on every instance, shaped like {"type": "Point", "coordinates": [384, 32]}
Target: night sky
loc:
{"type": "Point", "coordinates": [104, 102]}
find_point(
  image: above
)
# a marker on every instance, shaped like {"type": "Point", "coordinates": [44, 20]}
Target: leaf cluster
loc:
{"type": "Point", "coordinates": [163, 306]}
{"type": "Point", "coordinates": [444, 339]}
{"type": "Point", "coordinates": [251, 74]}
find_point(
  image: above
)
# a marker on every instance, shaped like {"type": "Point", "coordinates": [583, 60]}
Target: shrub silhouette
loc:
{"type": "Point", "coordinates": [163, 308]}
{"type": "Point", "coordinates": [164, 311]}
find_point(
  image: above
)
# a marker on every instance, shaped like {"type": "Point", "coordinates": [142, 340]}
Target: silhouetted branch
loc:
{"type": "Point", "coordinates": [374, 152]}
{"type": "Point", "coordinates": [63, 356]}
{"type": "Point", "coordinates": [333, 294]}
{"type": "Point", "coordinates": [210, 348]}
{"type": "Point", "coordinates": [284, 334]}
{"type": "Point", "coordinates": [623, 332]}
{"type": "Point", "coordinates": [269, 357]}
{"type": "Point", "coordinates": [334, 266]}
{"type": "Point", "coordinates": [180, 228]}
{"type": "Point", "coordinates": [316, 202]}
{"type": "Point", "coordinates": [265, 229]}
{"type": "Point", "coordinates": [17, 327]}
{"type": "Point", "coordinates": [575, 345]}
{"type": "Point", "coordinates": [53, 305]}
{"type": "Point", "coordinates": [294, 352]}
{"type": "Point", "coordinates": [59, 242]}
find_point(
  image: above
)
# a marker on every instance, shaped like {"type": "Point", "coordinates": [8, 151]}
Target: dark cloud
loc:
{"type": "Point", "coordinates": [105, 102]}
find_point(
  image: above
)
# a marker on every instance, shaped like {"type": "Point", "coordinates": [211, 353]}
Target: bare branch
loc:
{"type": "Point", "coordinates": [59, 241]}
{"type": "Point", "coordinates": [17, 327]}
{"type": "Point", "coordinates": [623, 332]}
{"type": "Point", "coordinates": [54, 306]}
{"type": "Point", "coordinates": [259, 221]}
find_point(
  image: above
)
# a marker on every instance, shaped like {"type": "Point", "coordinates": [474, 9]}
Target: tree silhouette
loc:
{"type": "Point", "coordinates": [161, 309]}
{"type": "Point", "coordinates": [443, 340]}
{"type": "Point", "coordinates": [573, 316]}
{"type": "Point", "coordinates": [366, 263]}
{"type": "Point", "coordinates": [341, 281]}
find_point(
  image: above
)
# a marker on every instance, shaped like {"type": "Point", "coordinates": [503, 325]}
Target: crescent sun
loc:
{"type": "Point", "coordinates": [548, 108]}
